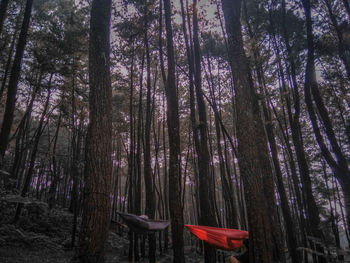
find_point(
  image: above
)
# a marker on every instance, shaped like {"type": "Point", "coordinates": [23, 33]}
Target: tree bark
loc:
{"type": "Point", "coordinates": [98, 155]}
{"type": "Point", "coordinates": [13, 82]}
{"type": "Point", "coordinates": [149, 182]}
{"type": "Point", "coordinates": [207, 208]}
{"type": "Point", "coordinates": [176, 212]}
{"type": "Point", "coordinates": [263, 150]}
{"type": "Point", "coordinates": [251, 164]}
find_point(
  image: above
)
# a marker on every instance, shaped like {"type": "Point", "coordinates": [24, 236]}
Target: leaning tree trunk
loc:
{"type": "Point", "coordinates": [13, 82]}
{"type": "Point", "coordinates": [98, 155]}
{"type": "Point", "coordinates": [22, 129]}
{"type": "Point", "coordinates": [31, 167]}
{"type": "Point", "coordinates": [176, 212]}
{"type": "Point", "coordinates": [249, 137]}
{"type": "Point", "coordinates": [312, 96]}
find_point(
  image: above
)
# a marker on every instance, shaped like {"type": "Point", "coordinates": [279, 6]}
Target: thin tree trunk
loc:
{"type": "Point", "coordinates": [289, 225]}
{"type": "Point", "coordinates": [227, 193]}
{"type": "Point", "coordinates": [9, 59]}
{"type": "Point", "coordinates": [74, 148]}
{"type": "Point", "coordinates": [165, 188]}
{"type": "Point", "coordinates": [312, 224]}
{"type": "Point", "coordinates": [13, 82]}
{"type": "Point", "coordinates": [38, 134]}
{"type": "Point", "coordinates": [312, 93]}
{"type": "Point", "coordinates": [21, 144]}
{"type": "Point", "coordinates": [133, 251]}
{"type": "Point", "coordinates": [54, 173]}
{"type": "Point", "coordinates": [207, 208]}
{"type": "Point", "coordinates": [189, 54]}
{"type": "Point", "coordinates": [149, 182]}
{"type": "Point", "coordinates": [176, 212]}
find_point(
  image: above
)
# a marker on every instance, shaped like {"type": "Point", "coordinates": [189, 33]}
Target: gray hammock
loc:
{"type": "Point", "coordinates": [141, 224]}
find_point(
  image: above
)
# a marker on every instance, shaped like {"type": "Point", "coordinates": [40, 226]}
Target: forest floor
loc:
{"type": "Point", "coordinates": [43, 235]}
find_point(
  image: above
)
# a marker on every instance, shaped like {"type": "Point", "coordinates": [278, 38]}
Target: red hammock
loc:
{"type": "Point", "coordinates": [222, 238]}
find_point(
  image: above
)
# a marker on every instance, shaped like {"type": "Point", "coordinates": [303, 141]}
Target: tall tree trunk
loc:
{"type": "Point", "coordinates": [165, 169]}
{"type": "Point", "coordinates": [207, 209]}
{"type": "Point", "coordinates": [264, 151]}
{"type": "Point", "coordinates": [251, 164]}
{"type": "Point", "coordinates": [176, 212]}
{"type": "Point", "coordinates": [98, 155]}
{"type": "Point", "coordinates": [290, 229]}
{"type": "Point", "coordinates": [149, 182]}
{"type": "Point", "coordinates": [132, 203]}
{"type": "Point", "coordinates": [13, 82]}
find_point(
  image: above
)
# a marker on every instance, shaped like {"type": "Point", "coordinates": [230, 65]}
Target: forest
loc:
{"type": "Point", "coordinates": [175, 131]}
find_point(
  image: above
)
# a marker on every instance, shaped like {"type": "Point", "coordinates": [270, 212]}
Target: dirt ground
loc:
{"type": "Point", "coordinates": [23, 252]}
{"type": "Point", "coordinates": [43, 235]}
